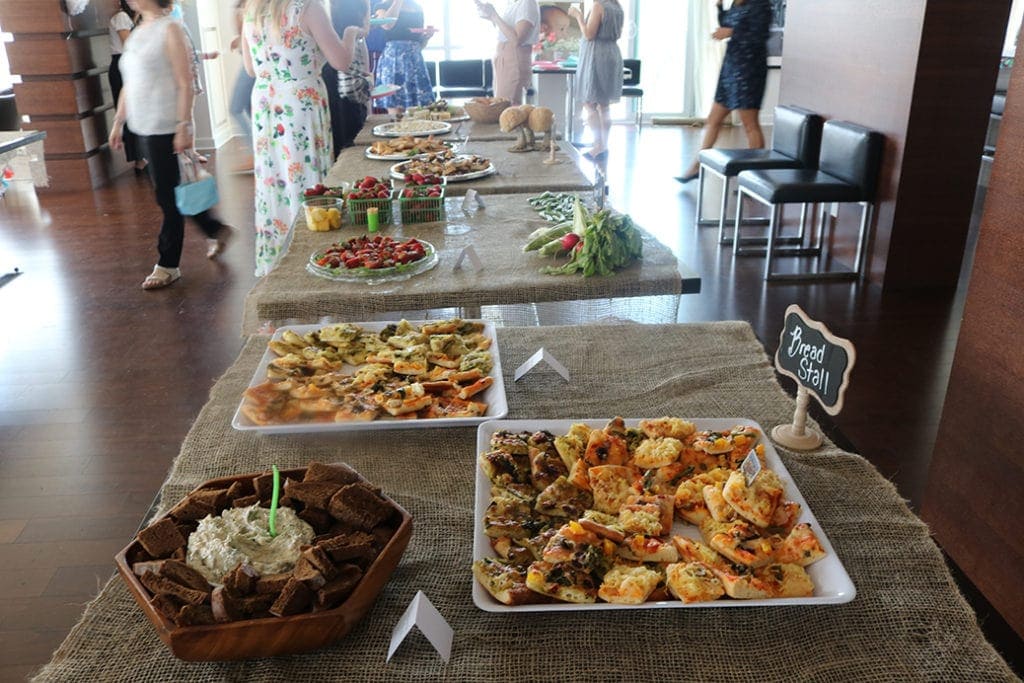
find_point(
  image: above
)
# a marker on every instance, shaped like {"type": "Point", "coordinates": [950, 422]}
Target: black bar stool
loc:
{"type": "Point", "coordinates": [796, 137]}
{"type": "Point", "coordinates": [848, 169]}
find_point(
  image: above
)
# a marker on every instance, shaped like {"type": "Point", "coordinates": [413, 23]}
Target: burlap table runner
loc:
{"type": "Point", "coordinates": [476, 131]}
{"type": "Point", "coordinates": [908, 621]}
{"type": "Point", "coordinates": [509, 276]}
{"type": "Point", "coordinates": [517, 173]}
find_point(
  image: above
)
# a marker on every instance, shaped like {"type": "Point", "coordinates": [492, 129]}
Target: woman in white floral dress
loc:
{"type": "Point", "coordinates": [285, 44]}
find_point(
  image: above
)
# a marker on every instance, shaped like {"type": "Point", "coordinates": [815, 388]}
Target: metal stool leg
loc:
{"type": "Point", "coordinates": [700, 197]}
{"type": "Point", "coordinates": [725, 208]}
{"type": "Point", "coordinates": [737, 223]}
{"type": "Point", "coordinates": [773, 225]}
{"type": "Point", "coordinates": [865, 223]}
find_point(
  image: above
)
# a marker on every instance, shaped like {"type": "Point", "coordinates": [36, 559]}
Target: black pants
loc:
{"type": "Point", "coordinates": [164, 171]}
{"type": "Point", "coordinates": [131, 143]}
{"type": "Point", "coordinates": [347, 117]}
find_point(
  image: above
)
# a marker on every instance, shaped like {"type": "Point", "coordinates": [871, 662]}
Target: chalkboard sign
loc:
{"type": "Point", "coordinates": [814, 357]}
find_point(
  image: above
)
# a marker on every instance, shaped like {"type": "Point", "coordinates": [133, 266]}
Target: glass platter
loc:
{"type": "Point", "coordinates": [832, 584]}
{"type": "Point", "coordinates": [494, 396]}
{"type": "Point", "coordinates": [374, 276]}
{"type": "Point", "coordinates": [399, 128]}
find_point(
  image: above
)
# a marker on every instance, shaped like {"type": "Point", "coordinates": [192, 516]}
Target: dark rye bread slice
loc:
{"type": "Point", "coordinates": [354, 546]}
{"type": "Point", "coordinates": [339, 474]}
{"type": "Point", "coordinates": [193, 508]}
{"type": "Point", "coordinates": [241, 580]}
{"type": "Point", "coordinates": [140, 568]}
{"type": "Point", "coordinates": [321, 561]}
{"type": "Point", "coordinates": [307, 572]}
{"type": "Point", "coordinates": [263, 486]}
{"type": "Point", "coordinates": [184, 575]}
{"type": "Point", "coordinates": [167, 605]}
{"type": "Point", "coordinates": [272, 583]}
{"type": "Point", "coordinates": [162, 538]}
{"type": "Point", "coordinates": [335, 591]}
{"type": "Point", "coordinates": [320, 520]}
{"type": "Point", "coordinates": [245, 501]}
{"type": "Point", "coordinates": [257, 603]}
{"type": "Point", "coordinates": [238, 490]}
{"type": "Point", "coordinates": [360, 506]}
{"type": "Point", "coordinates": [295, 598]}
{"type": "Point", "coordinates": [224, 606]}
{"type": "Point", "coordinates": [158, 585]}
{"type": "Point", "coordinates": [195, 615]}
{"type": "Point", "coordinates": [315, 494]}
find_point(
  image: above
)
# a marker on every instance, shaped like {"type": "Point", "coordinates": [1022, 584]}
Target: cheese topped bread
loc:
{"type": "Point", "coordinates": [628, 585]}
{"type": "Point", "coordinates": [756, 502]}
{"type": "Point", "coordinates": [693, 582]}
{"type": "Point", "coordinates": [612, 486]}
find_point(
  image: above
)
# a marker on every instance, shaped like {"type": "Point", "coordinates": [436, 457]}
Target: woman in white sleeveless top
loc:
{"type": "Point", "coordinates": [156, 102]}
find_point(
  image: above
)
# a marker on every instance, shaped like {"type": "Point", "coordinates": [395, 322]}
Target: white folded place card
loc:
{"type": "Point", "coordinates": [751, 467]}
{"type": "Point", "coordinates": [541, 355]}
{"type": "Point", "coordinates": [469, 252]}
{"type": "Point", "coordinates": [472, 200]}
{"type": "Point", "coordinates": [424, 616]}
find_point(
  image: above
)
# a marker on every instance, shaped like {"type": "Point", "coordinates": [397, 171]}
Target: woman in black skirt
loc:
{"type": "Point", "coordinates": [119, 27]}
{"type": "Point", "coordinates": [744, 72]}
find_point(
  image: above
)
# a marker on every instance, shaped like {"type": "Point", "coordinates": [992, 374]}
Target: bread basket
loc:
{"type": "Point", "coordinates": [484, 111]}
{"type": "Point", "coordinates": [270, 636]}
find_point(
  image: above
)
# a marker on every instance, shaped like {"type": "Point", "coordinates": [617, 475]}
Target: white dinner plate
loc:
{"type": "Point", "coordinates": [419, 127]}
{"type": "Point", "coordinates": [399, 174]}
{"type": "Point", "coordinates": [832, 585]}
{"type": "Point", "coordinates": [494, 396]}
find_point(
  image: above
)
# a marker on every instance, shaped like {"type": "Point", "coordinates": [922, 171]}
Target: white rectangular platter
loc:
{"type": "Point", "coordinates": [494, 396]}
{"type": "Point", "coordinates": [832, 585]}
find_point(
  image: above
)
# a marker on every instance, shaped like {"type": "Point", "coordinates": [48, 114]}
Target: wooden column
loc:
{"type": "Point", "coordinates": [63, 63]}
{"type": "Point", "coordinates": [923, 73]}
{"type": "Point", "coordinates": [974, 499]}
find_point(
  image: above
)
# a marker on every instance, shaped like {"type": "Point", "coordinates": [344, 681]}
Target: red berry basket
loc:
{"type": "Point", "coordinates": [366, 193]}
{"type": "Point", "coordinates": [421, 203]}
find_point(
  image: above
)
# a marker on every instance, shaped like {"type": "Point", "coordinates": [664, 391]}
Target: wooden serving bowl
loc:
{"type": "Point", "coordinates": [486, 113]}
{"type": "Point", "coordinates": [271, 636]}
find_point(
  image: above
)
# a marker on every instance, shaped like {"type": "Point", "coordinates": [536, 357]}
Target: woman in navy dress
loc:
{"type": "Point", "coordinates": [744, 72]}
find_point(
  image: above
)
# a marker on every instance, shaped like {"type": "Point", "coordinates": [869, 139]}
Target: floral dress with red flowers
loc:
{"type": "Point", "coordinates": [291, 128]}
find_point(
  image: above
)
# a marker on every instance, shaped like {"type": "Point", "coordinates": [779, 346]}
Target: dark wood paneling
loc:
{"type": "Point", "coordinates": [973, 499]}
{"type": "Point", "coordinates": [34, 55]}
{"type": "Point", "coordinates": [75, 134]}
{"type": "Point", "coordinates": [45, 16]}
{"type": "Point", "coordinates": [84, 172]}
{"type": "Point", "coordinates": [61, 97]}
{"type": "Point", "coordinates": [921, 72]}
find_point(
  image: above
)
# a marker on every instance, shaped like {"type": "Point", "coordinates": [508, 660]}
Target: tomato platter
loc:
{"type": "Point", "coordinates": [373, 259]}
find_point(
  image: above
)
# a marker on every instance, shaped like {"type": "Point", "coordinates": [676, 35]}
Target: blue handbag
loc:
{"type": "Point", "coordinates": [197, 191]}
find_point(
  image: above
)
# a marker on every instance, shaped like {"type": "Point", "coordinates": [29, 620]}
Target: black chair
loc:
{"type": "Point", "coordinates": [796, 139]}
{"type": "Point", "coordinates": [9, 119]}
{"type": "Point", "coordinates": [631, 87]}
{"type": "Point", "coordinates": [848, 169]}
{"type": "Point", "coordinates": [461, 78]}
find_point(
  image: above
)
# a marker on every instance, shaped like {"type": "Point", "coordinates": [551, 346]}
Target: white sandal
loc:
{"type": "Point", "coordinates": [161, 277]}
{"type": "Point", "coordinates": [215, 246]}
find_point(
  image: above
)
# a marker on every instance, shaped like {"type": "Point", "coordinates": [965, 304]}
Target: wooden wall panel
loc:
{"type": "Point", "coordinates": [69, 96]}
{"type": "Point", "coordinates": [45, 54]}
{"type": "Point", "coordinates": [973, 499]}
{"type": "Point", "coordinates": [922, 73]}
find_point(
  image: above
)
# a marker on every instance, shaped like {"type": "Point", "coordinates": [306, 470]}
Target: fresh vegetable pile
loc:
{"type": "Point", "coordinates": [372, 253]}
{"type": "Point", "coordinates": [597, 244]}
{"type": "Point", "coordinates": [554, 206]}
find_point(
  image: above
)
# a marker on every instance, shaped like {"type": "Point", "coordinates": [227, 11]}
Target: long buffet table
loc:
{"type": "Point", "coordinates": [509, 276]}
{"type": "Point", "coordinates": [516, 172]}
{"type": "Point", "coordinates": [907, 622]}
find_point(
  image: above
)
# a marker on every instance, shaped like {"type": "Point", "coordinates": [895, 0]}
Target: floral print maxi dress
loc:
{"type": "Point", "coordinates": [291, 129]}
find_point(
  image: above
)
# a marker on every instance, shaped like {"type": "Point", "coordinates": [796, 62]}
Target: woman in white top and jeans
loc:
{"type": "Point", "coordinates": [156, 101]}
{"type": "Point", "coordinates": [517, 32]}
{"type": "Point", "coordinates": [120, 26]}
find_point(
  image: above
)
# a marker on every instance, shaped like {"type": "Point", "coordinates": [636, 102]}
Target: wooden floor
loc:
{"type": "Point", "coordinates": [99, 380]}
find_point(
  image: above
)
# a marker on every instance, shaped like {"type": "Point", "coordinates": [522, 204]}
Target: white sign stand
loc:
{"type": "Point", "coordinates": [468, 252]}
{"type": "Point", "coordinates": [532, 361]}
{"type": "Point", "coordinates": [424, 616]}
{"type": "Point", "coordinates": [473, 201]}
{"type": "Point", "coordinates": [797, 436]}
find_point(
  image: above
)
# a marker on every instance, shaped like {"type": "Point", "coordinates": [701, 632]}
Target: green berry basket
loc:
{"type": "Point", "coordinates": [422, 209]}
{"type": "Point", "coordinates": [357, 209]}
